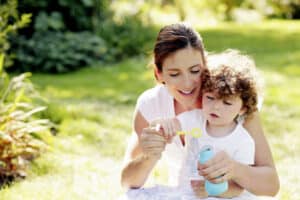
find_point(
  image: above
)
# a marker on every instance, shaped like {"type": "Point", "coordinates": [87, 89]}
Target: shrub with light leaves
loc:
{"type": "Point", "coordinates": [21, 133]}
{"type": "Point", "coordinates": [19, 130]}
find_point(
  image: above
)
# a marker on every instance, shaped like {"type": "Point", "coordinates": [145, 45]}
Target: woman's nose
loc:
{"type": "Point", "coordinates": [188, 82]}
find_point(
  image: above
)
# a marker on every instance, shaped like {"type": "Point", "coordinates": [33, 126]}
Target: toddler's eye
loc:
{"type": "Point", "coordinates": [227, 103]}
{"type": "Point", "coordinates": [210, 97]}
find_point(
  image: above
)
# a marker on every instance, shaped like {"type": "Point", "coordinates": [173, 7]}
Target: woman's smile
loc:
{"type": "Point", "coordinates": [187, 92]}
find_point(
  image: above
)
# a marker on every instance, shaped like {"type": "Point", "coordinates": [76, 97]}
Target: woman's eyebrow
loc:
{"type": "Point", "coordinates": [175, 69]}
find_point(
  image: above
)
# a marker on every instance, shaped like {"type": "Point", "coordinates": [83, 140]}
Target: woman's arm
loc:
{"type": "Point", "coordinates": [142, 154]}
{"type": "Point", "coordinates": [262, 178]}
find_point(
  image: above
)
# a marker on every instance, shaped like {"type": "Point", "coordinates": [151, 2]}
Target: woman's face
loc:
{"type": "Point", "coordinates": [181, 73]}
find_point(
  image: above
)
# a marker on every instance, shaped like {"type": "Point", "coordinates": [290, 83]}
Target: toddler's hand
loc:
{"type": "Point", "coordinates": [218, 169]}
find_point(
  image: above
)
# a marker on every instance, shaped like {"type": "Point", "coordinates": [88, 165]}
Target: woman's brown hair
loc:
{"type": "Point", "coordinates": [175, 37]}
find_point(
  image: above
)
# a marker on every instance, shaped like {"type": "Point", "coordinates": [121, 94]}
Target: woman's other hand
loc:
{"type": "Point", "coordinates": [152, 142]}
{"type": "Point", "coordinates": [167, 127]}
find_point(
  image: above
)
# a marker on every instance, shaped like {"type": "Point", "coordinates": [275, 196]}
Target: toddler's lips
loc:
{"type": "Point", "coordinates": [214, 115]}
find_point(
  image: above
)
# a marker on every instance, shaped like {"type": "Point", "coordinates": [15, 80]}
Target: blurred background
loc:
{"type": "Point", "coordinates": [71, 71]}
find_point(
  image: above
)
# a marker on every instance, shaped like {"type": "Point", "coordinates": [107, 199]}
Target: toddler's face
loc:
{"type": "Point", "coordinates": [221, 111]}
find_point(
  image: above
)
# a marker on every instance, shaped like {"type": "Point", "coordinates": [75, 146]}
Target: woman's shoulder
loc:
{"type": "Point", "coordinates": [155, 103]}
{"type": "Point", "coordinates": [157, 95]}
{"type": "Point", "coordinates": [154, 93]}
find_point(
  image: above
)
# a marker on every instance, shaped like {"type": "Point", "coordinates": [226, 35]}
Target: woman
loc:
{"type": "Point", "coordinates": [180, 67]}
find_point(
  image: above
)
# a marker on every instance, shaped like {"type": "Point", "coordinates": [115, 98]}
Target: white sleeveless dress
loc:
{"type": "Point", "coordinates": [157, 103]}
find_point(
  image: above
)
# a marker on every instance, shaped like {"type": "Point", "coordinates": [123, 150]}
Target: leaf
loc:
{"type": "Point", "coordinates": [5, 137]}
{"type": "Point", "coordinates": [1, 62]}
{"type": "Point", "coordinates": [87, 3]}
{"type": "Point", "coordinates": [28, 114]}
{"type": "Point", "coordinates": [17, 99]}
{"type": "Point", "coordinates": [25, 20]}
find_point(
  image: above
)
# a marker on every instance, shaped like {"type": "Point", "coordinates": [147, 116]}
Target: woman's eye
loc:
{"type": "Point", "coordinates": [195, 71]}
{"type": "Point", "coordinates": [173, 75]}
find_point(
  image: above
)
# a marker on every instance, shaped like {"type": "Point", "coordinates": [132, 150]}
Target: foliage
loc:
{"type": "Point", "coordinates": [58, 52]}
{"type": "Point", "coordinates": [18, 128]}
{"type": "Point", "coordinates": [19, 138]}
{"type": "Point", "coordinates": [52, 22]}
{"type": "Point", "coordinates": [76, 15]}
{"type": "Point", "coordinates": [287, 9]}
{"type": "Point", "coordinates": [128, 29]}
{"type": "Point", "coordinates": [210, 10]}
{"type": "Point", "coordinates": [63, 25]}
{"type": "Point", "coordinates": [64, 36]}
{"type": "Point", "coordinates": [127, 37]}
{"type": "Point", "coordinates": [10, 21]}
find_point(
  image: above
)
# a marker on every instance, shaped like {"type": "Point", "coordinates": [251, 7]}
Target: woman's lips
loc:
{"type": "Point", "coordinates": [187, 92]}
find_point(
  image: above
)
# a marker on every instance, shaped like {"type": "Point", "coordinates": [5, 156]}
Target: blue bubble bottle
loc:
{"type": "Point", "coordinates": [213, 189]}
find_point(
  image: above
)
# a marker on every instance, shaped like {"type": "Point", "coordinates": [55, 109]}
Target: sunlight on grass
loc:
{"type": "Point", "coordinates": [82, 177]}
{"type": "Point", "coordinates": [116, 84]}
{"type": "Point", "coordinates": [281, 114]}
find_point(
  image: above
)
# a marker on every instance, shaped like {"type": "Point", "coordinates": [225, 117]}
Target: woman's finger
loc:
{"type": "Point", "coordinates": [152, 130]}
{"type": "Point", "coordinates": [169, 128]}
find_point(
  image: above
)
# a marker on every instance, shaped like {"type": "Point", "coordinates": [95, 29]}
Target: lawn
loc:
{"type": "Point", "coordinates": [93, 111]}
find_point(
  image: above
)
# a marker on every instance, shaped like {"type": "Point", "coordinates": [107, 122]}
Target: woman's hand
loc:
{"type": "Point", "coordinates": [167, 127]}
{"type": "Point", "coordinates": [152, 142]}
{"type": "Point", "coordinates": [199, 188]}
{"type": "Point", "coordinates": [218, 169]}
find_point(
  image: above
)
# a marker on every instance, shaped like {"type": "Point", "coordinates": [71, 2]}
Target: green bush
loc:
{"type": "Point", "coordinates": [287, 9]}
{"type": "Point", "coordinates": [129, 37]}
{"type": "Point", "coordinates": [10, 22]}
{"type": "Point", "coordinates": [58, 52]}
{"type": "Point", "coordinates": [77, 16]}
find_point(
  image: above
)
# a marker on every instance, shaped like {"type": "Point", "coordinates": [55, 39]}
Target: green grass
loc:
{"type": "Point", "coordinates": [93, 110]}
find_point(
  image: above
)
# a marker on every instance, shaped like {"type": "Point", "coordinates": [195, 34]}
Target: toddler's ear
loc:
{"type": "Point", "coordinates": [242, 111]}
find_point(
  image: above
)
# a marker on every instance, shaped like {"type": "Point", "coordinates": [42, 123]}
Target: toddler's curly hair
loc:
{"type": "Point", "coordinates": [232, 74]}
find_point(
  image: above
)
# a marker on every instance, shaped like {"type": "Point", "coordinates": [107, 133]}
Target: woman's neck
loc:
{"type": "Point", "coordinates": [220, 130]}
{"type": "Point", "coordinates": [180, 108]}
